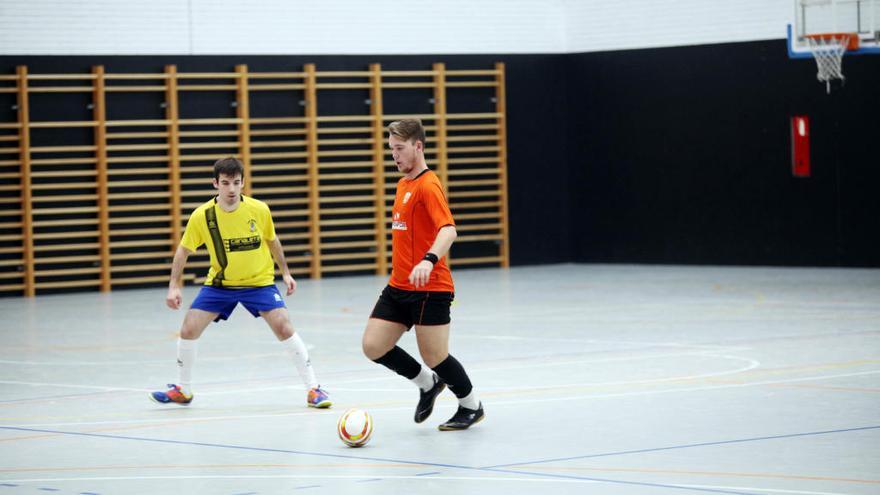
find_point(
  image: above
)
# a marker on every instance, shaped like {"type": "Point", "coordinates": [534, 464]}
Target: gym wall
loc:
{"type": "Point", "coordinates": [669, 154]}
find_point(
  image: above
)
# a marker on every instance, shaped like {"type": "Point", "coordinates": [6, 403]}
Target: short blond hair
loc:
{"type": "Point", "coordinates": [408, 130]}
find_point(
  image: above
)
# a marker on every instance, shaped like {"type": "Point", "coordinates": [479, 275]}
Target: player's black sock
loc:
{"type": "Point", "coordinates": [452, 372]}
{"type": "Point", "coordinates": [400, 362]}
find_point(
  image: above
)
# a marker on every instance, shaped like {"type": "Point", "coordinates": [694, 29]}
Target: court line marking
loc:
{"type": "Point", "coordinates": [297, 466]}
{"type": "Point", "coordinates": [496, 468]}
{"type": "Point", "coordinates": [362, 477]}
{"type": "Point", "coordinates": [162, 362]}
{"type": "Point", "coordinates": [71, 385]}
{"type": "Point", "coordinates": [384, 377]}
{"type": "Point", "coordinates": [683, 389]}
{"type": "Point", "coordinates": [490, 390]}
{"type": "Point", "coordinates": [769, 490]}
{"type": "Point", "coordinates": [320, 454]}
{"type": "Point", "coordinates": [725, 474]}
{"type": "Point", "coordinates": [686, 446]}
{"type": "Point", "coordinates": [378, 406]}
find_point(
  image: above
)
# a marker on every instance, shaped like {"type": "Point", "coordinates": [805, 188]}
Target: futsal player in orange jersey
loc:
{"type": "Point", "coordinates": [421, 289]}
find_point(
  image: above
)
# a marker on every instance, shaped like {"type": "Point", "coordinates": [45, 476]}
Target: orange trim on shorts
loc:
{"type": "Point", "coordinates": [422, 311]}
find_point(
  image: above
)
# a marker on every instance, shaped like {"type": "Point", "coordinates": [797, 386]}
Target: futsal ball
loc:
{"type": "Point", "coordinates": [355, 427]}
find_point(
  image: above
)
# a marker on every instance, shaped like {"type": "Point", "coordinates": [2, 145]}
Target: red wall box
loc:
{"type": "Point", "coordinates": [800, 146]}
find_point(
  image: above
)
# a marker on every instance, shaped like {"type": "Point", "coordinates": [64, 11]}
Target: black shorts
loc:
{"type": "Point", "coordinates": [413, 307]}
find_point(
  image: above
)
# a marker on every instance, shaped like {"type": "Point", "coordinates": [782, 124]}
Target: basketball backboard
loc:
{"type": "Point", "coordinates": [813, 17]}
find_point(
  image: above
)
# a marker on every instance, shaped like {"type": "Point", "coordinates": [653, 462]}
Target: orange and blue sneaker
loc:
{"type": "Point", "coordinates": [318, 398]}
{"type": "Point", "coordinates": [172, 396]}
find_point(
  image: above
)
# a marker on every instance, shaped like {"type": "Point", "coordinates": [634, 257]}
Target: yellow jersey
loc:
{"type": "Point", "coordinates": [245, 233]}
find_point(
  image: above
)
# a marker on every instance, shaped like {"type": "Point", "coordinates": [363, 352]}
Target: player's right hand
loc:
{"type": "Point", "coordinates": [173, 299]}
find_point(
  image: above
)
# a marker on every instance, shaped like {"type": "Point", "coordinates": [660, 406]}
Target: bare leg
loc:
{"type": "Point", "coordinates": [381, 336]}
{"type": "Point", "coordinates": [433, 343]}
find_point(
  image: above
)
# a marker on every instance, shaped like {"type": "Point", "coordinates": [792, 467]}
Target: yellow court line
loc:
{"type": "Point", "coordinates": [827, 387]}
{"type": "Point", "coordinates": [704, 473]}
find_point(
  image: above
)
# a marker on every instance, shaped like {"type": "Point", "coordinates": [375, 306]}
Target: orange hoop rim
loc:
{"type": "Point", "coordinates": [852, 42]}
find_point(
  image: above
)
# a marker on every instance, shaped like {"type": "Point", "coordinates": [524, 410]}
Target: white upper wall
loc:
{"type": "Point", "coordinates": [626, 24]}
{"type": "Point", "coordinates": [209, 27]}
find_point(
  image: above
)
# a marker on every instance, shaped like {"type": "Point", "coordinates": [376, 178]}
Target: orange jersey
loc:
{"type": "Point", "coordinates": [420, 211]}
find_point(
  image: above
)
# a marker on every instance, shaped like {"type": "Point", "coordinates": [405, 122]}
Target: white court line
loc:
{"type": "Point", "coordinates": [491, 403]}
{"type": "Point", "coordinates": [163, 362]}
{"type": "Point", "coordinates": [360, 380]}
{"type": "Point", "coordinates": [768, 490]}
{"type": "Point", "coordinates": [386, 377]}
{"type": "Point", "coordinates": [70, 385]}
{"type": "Point", "coordinates": [752, 365]}
{"type": "Point", "coordinates": [437, 477]}
{"type": "Point", "coordinates": [366, 476]}
{"type": "Point", "coordinates": [691, 389]}
{"type": "Point", "coordinates": [628, 343]}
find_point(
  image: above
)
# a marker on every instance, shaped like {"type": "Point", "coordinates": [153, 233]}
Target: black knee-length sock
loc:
{"type": "Point", "coordinates": [400, 362]}
{"type": "Point", "coordinates": [453, 373]}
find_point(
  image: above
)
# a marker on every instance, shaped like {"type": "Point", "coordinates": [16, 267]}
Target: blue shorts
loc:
{"type": "Point", "coordinates": [223, 301]}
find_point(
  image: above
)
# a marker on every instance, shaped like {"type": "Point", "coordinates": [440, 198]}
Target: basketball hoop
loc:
{"type": "Point", "coordinates": [828, 50]}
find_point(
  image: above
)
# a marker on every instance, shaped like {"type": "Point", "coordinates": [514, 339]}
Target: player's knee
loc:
{"type": "Point", "coordinates": [372, 349]}
{"type": "Point", "coordinates": [189, 333]}
{"type": "Point", "coordinates": [283, 331]}
{"type": "Point", "coordinates": [433, 357]}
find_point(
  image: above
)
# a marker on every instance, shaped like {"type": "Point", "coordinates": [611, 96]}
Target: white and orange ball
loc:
{"type": "Point", "coordinates": [355, 427]}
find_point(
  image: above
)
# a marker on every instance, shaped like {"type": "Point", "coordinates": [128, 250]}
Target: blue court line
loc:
{"type": "Point", "coordinates": [493, 469]}
{"type": "Point", "coordinates": [685, 446]}
{"type": "Point", "coordinates": [618, 482]}
{"type": "Point", "coordinates": [228, 446]}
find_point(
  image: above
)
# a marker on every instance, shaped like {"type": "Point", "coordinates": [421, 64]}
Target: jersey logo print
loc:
{"type": "Point", "coordinates": [396, 224]}
{"type": "Point", "coordinates": [242, 243]}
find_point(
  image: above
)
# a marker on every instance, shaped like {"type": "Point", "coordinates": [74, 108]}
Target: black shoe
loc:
{"type": "Point", "coordinates": [426, 400]}
{"type": "Point", "coordinates": [463, 419]}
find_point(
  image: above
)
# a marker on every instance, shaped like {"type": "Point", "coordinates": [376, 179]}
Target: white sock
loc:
{"type": "Point", "coordinates": [425, 379]}
{"type": "Point", "coordinates": [470, 401]}
{"type": "Point", "coordinates": [186, 359]}
{"type": "Point", "coordinates": [296, 348]}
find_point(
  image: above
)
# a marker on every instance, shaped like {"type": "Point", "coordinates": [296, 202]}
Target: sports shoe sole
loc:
{"type": "Point", "coordinates": [169, 403]}
{"type": "Point", "coordinates": [321, 405]}
{"type": "Point", "coordinates": [446, 428]}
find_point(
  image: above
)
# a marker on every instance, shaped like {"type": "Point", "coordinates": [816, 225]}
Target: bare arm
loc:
{"type": "Point", "coordinates": [422, 271]}
{"type": "Point", "coordinates": [278, 253]}
{"type": "Point", "coordinates": [173, 298]}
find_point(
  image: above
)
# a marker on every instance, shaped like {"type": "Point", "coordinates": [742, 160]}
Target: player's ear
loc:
{"type": "Point", "coordinates": [216, 184]}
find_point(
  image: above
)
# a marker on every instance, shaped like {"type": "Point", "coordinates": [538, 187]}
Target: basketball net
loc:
{"type": "Point", "coordinates": [828, 52]}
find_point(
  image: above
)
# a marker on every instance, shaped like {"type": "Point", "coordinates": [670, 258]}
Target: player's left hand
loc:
{"type": "Point", "coordinates": [421, 273]}
{"type": "Point", "coordinates": [290, 283]}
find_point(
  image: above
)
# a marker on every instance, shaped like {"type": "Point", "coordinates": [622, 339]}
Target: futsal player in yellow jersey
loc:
{"type": "Point", "coordinates": [240, 236]}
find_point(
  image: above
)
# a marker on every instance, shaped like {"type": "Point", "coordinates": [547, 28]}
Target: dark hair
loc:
{"type": "Point", "coordinates": [230, 166]}
{"type": "Point", "coordinates": [408, 130]}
